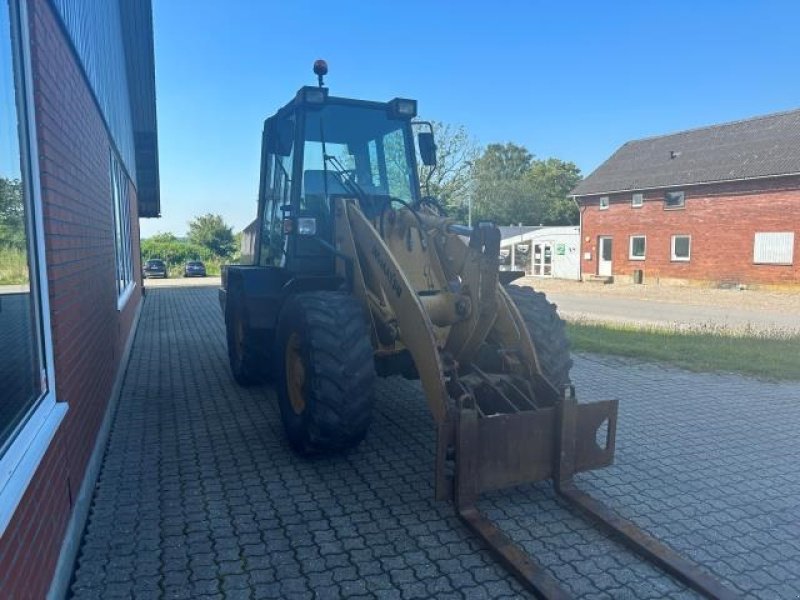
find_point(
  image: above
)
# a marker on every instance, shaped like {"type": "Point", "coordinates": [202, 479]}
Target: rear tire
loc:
{"type": "Point", "coordinates": [246, 348]}
{"type": "Point", "coordinates": [548, 332]}
{"type": "Point", "coordinates": [325, 372]}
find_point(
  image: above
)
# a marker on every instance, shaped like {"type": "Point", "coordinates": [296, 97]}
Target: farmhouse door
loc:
{"type": "Point", "coordinates": [543, 260]}
{"type": "Point", "coordinates": [604, 257]}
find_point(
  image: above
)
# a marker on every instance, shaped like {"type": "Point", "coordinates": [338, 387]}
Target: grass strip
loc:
{"type": "Point", "coordinates": [775, 357]}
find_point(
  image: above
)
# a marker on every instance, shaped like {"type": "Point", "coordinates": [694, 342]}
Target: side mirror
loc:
{"type": "Point", "coordinates": [427, 148]}
{"type": "Point", "coordinates": [280, 137]}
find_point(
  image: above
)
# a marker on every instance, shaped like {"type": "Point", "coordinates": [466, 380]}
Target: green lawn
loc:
{"type": "Point", "coordinates": [13, 266]}
{"type": "Point", "coordinates": [776, 357]}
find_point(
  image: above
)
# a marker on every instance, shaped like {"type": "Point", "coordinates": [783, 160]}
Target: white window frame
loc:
{"type": "Point", "coordinates": [630, 247]}
{"type": "Point", "coordinates": [637, 200]}
{"type": "Point", "coordinates": [604, 202]}
{"type": "Point", "coordinates": [680, 206]}
{"type": "Point", "coordinates": [789, 235]}
{"type": "Point", "coordinates": [123, 248]}
{"type": "Point", "coordinates": [32, 438]}
{"type": "Point", "coordinates": [673, 256]}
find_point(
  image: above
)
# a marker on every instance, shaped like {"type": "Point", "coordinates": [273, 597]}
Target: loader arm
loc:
{"type": "Point", "coordinates": [391, 286]}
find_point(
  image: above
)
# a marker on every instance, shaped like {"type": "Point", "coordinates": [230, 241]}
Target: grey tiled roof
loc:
{"type": "Point", "coordinates": [514, 230]}
{"type": "Point", "coordinates": [759, 147]}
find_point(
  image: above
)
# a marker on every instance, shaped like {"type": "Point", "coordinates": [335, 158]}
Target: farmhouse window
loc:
{"type": "Point", "coordinates": [773, 248]}
{"type": "Point", "coordinates": [638, 247]}
{"type": "Point", "coordinates": [637, 200]}
{"type": "Point", "coordinates": [603, 202]}
{"type": "Point", "coordinates": [674, 200]}
{"type": "Point", "coordinates": [122, 231]}
{"type": "Point", "coordinates": [681, 247]}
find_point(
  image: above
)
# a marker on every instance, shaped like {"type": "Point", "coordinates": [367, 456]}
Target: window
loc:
{"type": "Point", "coordinates": [674, 200]}
{"type": "Point", "coordinates": [373, 154]}
{"type": "Point", "coordinates": [122, 231]}
{"type": "Point", "coordinates": [603, 202]}
{"type": "Point", "coordinates": [773, 248]}
{"type": "Point", "coordinates": [277, 185]}
{"type": "Point", "coordinates": [398, 172]}
{"type": "Point", "coordinates": [637, 200]}
{"type": "Point", "coordinates": [681, 247]}
{"type": "Point", "coordinates": [638, 244]}
{"type": "Point", "coordinates": [29, 415]}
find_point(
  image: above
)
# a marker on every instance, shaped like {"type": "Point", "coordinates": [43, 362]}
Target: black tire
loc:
{"type": "Point", "coordinates": [246, 348]}
{"type": "Point", "coordinates": [325, 333]}
{"type": "Point", "coordinates": [548, 332]}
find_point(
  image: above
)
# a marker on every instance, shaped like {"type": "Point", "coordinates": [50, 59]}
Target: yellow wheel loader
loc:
{"type": "Point", "coordinates": [357, 275]}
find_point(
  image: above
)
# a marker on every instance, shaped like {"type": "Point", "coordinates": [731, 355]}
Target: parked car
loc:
{"type": "Point", "coordinates": [155, 267]}
{"type": "Point", "coordinates": [194, 268]}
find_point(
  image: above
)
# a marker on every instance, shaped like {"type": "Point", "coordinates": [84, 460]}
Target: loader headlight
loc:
{"type": "Point", "coordinates": [306, 226]}
{"type": "Point", "coordinates": [402, 108]}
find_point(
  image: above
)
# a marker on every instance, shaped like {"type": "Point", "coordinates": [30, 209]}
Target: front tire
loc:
{"type": "Point", "coordinates": [325, 371]}
{"type": "Point", "coordinates": [548, 333]}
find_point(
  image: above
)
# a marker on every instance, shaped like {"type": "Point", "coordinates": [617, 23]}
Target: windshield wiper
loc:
{"type": "Point", "coordinates": [345, 178]}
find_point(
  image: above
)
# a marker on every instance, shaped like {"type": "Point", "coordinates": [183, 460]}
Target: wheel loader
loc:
{"type": "Point", "coordinates": [357, 274]}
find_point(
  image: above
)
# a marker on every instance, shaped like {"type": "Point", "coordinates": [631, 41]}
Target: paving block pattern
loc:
{"type": "Point", "coordinates": [200, 496]}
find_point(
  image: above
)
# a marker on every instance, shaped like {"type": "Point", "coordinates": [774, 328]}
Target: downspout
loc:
{"type": "Point", "coordinates": [580, 237]}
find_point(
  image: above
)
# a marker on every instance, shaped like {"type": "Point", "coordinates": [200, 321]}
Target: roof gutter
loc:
{"type": "Point", "coordinates": [680, 185]}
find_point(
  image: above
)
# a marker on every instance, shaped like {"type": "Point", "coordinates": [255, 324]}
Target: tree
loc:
{"type": "Point", "coordinates": [501, 192]}
{"type": "Point", "coordinates": [449, 183]}
{"type": "Point", "coordinates": [173, 250]}
{"type": "Point", "coordinates": [551, 180]}
{"type": "Point", "coordinates": [163, 238]}
{"type": "Point", "coordinates": [12, 214]}
{"type": "Point", "coordinates": [210, 231]}
{"type": "Point", "coordinates": [511, 186]}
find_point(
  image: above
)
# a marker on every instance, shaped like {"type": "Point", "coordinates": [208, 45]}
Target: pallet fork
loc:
{"type": "Point", "coordinates": [569, 454]}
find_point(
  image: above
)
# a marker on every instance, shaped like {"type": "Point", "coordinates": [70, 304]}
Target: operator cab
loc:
{"type": "Point", "coordinates": [319, 149]}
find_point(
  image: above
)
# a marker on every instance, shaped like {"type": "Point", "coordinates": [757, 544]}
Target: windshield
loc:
{"type": "Point", "coordinates": [364, 146]}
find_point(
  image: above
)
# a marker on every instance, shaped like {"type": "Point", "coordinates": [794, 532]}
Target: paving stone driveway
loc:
{"type": "Point", "coordinates": [199, 495]}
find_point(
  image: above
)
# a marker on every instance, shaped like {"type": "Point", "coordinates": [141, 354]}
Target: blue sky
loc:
{"type": "Point", "coordinates": [567, 79]}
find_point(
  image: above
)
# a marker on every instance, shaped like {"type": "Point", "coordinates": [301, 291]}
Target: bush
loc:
{"type": "Point", "coordinates": [176, 252]}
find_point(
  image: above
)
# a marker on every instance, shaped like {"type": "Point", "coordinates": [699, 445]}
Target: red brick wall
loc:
{"type": "Point", "coordinates": [89, 333]}
{"type": "Point", "coordinates": [721, 219]}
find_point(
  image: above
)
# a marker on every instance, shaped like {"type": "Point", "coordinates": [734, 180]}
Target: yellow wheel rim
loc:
{"type": "Point", "coordinates": [295, 374]}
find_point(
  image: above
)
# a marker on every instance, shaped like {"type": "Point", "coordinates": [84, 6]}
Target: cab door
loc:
{"type": "Point", "coordinates": [275, 189]}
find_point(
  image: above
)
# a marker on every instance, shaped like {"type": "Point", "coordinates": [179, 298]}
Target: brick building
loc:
{"type": "Point", "coordinates": [78, 165]}
{"type": "Point", "coordinates": [718, 205]}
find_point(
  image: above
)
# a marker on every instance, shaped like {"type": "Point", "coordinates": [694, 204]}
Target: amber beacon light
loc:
{"type": "Point", "coordinates": [320, 70]}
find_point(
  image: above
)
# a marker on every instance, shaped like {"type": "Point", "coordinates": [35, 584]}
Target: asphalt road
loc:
{"type": "Point", "coordinates": [183, 282]}
{"type": "Point", "coordinates": [600, 307]}
{"type": "Point", "coordinates": [609, 308]}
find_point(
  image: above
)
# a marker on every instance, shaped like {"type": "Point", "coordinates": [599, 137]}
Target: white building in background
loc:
{"type": "Point", "coordinates": [541, 251]}
{"type": "Point", "coordinates": [248, 244]}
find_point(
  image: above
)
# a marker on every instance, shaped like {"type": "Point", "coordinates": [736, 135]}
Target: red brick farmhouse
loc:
{"type": "Point", "coordinates": [78, 166]}
{"type": "Point", "coordinates": [718, 205]}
